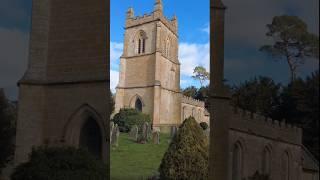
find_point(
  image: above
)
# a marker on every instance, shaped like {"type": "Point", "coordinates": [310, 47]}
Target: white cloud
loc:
{"type": "Point", "coordinates": [115, 50]}
{"type": "Point", "coordinates": [192, 55]}
{"type": "Point", "coordinates": [114, 80]}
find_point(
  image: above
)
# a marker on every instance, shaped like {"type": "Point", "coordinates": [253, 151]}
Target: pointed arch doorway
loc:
{"type": "Point", "coordinates": [86, 129]}
{"type": "Point", "coordinates": [138, 105]}
{"type": "Point", "coordinates": [91, 138]}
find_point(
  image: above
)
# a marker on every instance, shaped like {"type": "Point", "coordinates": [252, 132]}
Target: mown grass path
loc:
{"type": "Point", "coordinates": [133, 161]}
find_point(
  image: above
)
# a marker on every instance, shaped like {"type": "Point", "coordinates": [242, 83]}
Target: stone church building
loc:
{"type": "Point", "coordinates": [63, 96]}
{"type": "Point", "coordinates": [149, 78]}
{"type": "Point", "coordinates": [149, 81]}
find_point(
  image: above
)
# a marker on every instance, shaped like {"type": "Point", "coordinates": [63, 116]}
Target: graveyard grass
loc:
{"type": "Point", "coordinates": [133, 161]}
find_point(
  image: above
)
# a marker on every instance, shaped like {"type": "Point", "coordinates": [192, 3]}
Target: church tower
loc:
{"type": "Point", "coordinates": [149, 78]}
{"type": "Point", "coordinates": [63, 94]}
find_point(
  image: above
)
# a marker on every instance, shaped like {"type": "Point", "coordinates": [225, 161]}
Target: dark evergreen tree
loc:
{"type": "Point", "coordinates": [7, 130]}
{"type": "Point", "coordinates": [259, 95]}
{"type": "Point", "coordinates": [187, 156]}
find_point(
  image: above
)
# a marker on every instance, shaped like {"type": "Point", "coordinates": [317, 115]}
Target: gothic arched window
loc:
{"type": "Point", "coordinates": [141, 42]}
{"type": "Point", "coordinates": [266, 161]}
{"type": "Point", "coordinates": [138, 105]}
{"type": "Point", "coordinates": [237, 161]}
{"type": "Point", "coordinates": [285, 166]}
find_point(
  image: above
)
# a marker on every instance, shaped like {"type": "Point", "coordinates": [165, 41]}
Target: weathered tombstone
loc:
{"type": "Point", "coordinates": [143, 136]}
{"type": "Point", "coordinates": [156, 137]}
{"type": "Point", "coordinates": [115, 136]}
{"type": "Point", "coordinates": [145, 130]}
{"type": "Point", "coordinates": [111, 130]}
{"type": "Point", "coordinates": [133, 134]}
{"type": "Point", "coordinates": [149, 132]}
{"type": "Point", "coordinates": [173, 131]}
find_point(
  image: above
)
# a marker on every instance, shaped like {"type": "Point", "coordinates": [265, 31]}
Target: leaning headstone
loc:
{"type": "Point", "coordinates": [133, 134]}
{"type": "Point", "coordinates": [115, 136]}
{"type": "Point", "coordinates": [156, 137]}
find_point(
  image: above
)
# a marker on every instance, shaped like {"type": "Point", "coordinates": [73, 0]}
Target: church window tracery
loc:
{"type": "Point", "coordinates": [237, 162]}
{"type": "Point", "coordinates": [141, 42]}
{"type": "Point", "coordinates": [285, 166]}
{"type": "Point", "coordinates": [266, 161]}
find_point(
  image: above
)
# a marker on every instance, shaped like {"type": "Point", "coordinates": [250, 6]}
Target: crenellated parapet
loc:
{"type": "Point", "coordinates": [257, 124]}
{"type": "Point", "coordinates": [191, 101]}
{"type": "Point", "coordinates": [156, 15]}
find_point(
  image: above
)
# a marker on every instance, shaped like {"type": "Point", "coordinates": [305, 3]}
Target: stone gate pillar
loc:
{"type": "Point", "coordinates": [219, 98]}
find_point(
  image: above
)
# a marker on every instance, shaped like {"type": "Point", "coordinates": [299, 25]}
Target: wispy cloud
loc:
{"type": "Point", "coordinates": [116, 50]}
{"type": "Point", "coordinates": [206, 28]}
{"type": "Point", "coordinates": [114, 80]}
{"type": "Point", "coordinates": [192, 55]}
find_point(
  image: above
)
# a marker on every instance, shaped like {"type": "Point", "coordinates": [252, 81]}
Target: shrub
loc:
{"type": "Point", "coordinates": [126, 118]}
{"type": "Point", "coordinates": [187, 156]}
{"type": "Point", "coordinates": [7, 130]}
{"type": "Point", "coordinates": [204, 125]}
{"type": "Point", "coordinates": [258, 176]}
{"type": "Point", "coordinates": [60, 164]}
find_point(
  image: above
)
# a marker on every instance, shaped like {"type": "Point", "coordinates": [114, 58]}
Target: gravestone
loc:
{"type": "Point", "coordinates": [115, 136]}
{"type": "Point", "coordinates": [149, 132]}
{"type": "Point", "coordinates": [156, 137]}
{"type": "Point", "coordinates": [111, 130]}
{"type": "Point", "coordinates": [133, 134]}
{"type": "Point", "coordinates": [173, 131]}
{"type": "Point", "coordinates": [143, 136]}
{"type": "Point", "coordinates": [145, 130]}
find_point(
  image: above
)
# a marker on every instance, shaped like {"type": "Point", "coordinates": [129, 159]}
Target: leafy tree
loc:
{"type": "Point", "coordinates": [300, 105]}
{"type": "Point", "coordinates": [58, 163]}
{"type": "Point", "coordinates": [201, 74]}
{"type": "Point", "coordinates": [203, 95]}
{"type": "Point", "coordinates": [126, 118]}
{"type": "Point", "coordinates": [187, 156]}
{"type": "Point", "coordinates": [260, 95]}
{"type": "Point", "coordinates": [292, 42]}
{"type": "Point", "coordinates": [7, 131]}
{"type": "Point", "coordinates": [190, 91]}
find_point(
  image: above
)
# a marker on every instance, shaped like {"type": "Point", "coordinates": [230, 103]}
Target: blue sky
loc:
{"type": "Point", "coordinates": [245, 33]}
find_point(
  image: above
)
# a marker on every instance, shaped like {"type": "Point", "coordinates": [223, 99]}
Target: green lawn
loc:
{"type": "Point", "coordinates": [135, 161]}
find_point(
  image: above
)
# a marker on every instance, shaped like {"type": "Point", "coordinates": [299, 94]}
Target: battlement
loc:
{"type": "Point", "coordinates": [191, 101]}
{"type": "Point", "coordinates": [156, 15]}
{"type": "Point", "coordinates": [260, 125]}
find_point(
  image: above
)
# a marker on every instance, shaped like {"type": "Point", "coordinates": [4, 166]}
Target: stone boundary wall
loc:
{"type": "Point", "coordinates": [191, 101]}
{"type": "Point", "coordinates": [256, 124]}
